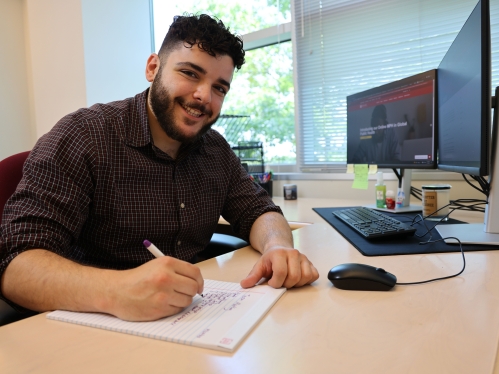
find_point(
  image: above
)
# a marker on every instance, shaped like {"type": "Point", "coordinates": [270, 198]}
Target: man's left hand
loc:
{"type": "Point", "coordinates": [285, 267]}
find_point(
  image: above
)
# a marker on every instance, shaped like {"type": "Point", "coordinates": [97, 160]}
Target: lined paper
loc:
{"type": "Point", "coordinates": [219, 320]}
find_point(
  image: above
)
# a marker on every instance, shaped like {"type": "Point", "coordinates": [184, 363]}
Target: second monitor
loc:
{"type": "Point", "coordinates": [393, 126]}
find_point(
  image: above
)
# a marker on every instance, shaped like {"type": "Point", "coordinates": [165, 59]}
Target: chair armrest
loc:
{"type": "Point", "coordinates": [9, 314]}
{"type": "Point", "coordinates": [221, 244]}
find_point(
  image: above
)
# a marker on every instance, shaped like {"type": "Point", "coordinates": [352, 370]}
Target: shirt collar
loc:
{"type": "Point", "coordinates": [137, 128]}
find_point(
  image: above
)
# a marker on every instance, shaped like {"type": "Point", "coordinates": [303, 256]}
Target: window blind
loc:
{"type": "Point", "coordinates": [347, 46]}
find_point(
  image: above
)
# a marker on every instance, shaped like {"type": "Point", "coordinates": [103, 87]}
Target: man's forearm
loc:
{"type": "Point", "coordinates": [269, 230]}
{"type": "Point", "coordinates": [41, 280]}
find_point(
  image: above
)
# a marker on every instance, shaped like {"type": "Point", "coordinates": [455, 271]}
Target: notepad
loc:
{"type": "Point", "coordinates": [220, 320]}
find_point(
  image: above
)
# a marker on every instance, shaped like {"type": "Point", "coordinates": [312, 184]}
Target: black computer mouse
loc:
{"type": "Point", "coordinates": [361, 277]}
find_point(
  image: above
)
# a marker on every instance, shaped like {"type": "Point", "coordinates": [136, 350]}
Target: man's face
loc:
{"type": "Point", "coordinates": [187, 92]}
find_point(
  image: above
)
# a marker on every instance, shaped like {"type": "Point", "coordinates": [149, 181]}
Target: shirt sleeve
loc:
{"type": "Point", "coordinates": [52, 200]}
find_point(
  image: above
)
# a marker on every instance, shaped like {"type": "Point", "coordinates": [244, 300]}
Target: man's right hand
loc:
{"type": "Point", "coordinates": [42, 280]}
{"type": "Point", "coordinates": [159, 288]}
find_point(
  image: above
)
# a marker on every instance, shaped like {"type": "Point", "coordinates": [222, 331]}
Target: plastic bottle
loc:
{"type": "Point", "coordinates": [400, 198]}
{"type": "Point", "coordinates": [380, 191]}
{"type": "Point", "coordinates": [390, 199]}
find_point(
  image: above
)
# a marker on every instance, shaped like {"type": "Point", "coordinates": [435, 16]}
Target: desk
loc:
{"type": "Point", "coordinates": [450, 326]}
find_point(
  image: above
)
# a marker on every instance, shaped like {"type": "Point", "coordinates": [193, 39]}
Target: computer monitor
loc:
{"type": "Point", "coordinates": [394, 126]}
{"type": "Point", "coordinates": [464, 110]}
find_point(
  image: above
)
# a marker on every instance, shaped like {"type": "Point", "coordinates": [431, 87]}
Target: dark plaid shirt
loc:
{"type": "Point", "coordinates": [95, 187]}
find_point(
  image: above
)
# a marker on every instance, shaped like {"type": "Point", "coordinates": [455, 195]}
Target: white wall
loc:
{"type": "Point", "coordinates": [116, 51]}
{"type": "Point", "coordinates": [61, 55]}
{"type": "Point", "coordinates": [16, 130]}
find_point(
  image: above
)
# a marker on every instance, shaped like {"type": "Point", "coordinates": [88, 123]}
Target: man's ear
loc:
{"type": "Point", "coordinates": [152, 67]}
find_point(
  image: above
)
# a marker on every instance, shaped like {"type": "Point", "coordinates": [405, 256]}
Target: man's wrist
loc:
{"type": "Point", "coordinates": [274, 246]}
{"type": "Point", "coordinates": [105, 299]}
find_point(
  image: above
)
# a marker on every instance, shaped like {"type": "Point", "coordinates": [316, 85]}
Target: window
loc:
{"type": "Point", "coordinates": [260, 104]}
{"type": "Point", "coordinates": [348, 46]}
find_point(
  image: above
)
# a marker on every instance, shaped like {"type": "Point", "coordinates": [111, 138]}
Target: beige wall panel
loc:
{"type": "Point", "coordinates": [16, 126]}
{"type": "Point", "coordinates": [57, 60]}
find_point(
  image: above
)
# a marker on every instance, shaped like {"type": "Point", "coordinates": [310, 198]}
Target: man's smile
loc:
{"type": "Point", "coordinates": [192, 111]}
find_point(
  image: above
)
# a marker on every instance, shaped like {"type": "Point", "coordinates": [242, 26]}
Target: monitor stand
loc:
{"type": "Point", "coordinates": [405, 178]}
{"type": "Point", "coordinates": [472, 233]}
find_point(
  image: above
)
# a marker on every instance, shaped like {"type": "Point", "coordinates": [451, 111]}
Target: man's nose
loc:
{"type": "Point", "coordinates": [203, 93]}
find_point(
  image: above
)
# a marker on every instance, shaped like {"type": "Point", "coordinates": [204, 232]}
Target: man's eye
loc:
{"type": "Point", "coordinates": [222, 90]}
{"type": "Point", "coordinates": [189, 73]}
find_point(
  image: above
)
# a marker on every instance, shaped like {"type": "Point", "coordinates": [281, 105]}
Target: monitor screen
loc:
{"type": "Point", "coordinates": [464, 100]}
{"type": "Point", "coordinates": [393, 125]}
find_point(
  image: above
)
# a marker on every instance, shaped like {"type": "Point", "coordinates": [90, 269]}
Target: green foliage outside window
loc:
{"type": "Point", "coordinates": [263, 89]}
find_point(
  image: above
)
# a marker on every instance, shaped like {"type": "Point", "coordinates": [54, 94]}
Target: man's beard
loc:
{"type": "Point", "coordinates": [162, 106]}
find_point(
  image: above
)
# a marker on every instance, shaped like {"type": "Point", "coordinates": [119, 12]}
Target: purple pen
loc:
{"type": "Point", "coordinates": [153, 249]}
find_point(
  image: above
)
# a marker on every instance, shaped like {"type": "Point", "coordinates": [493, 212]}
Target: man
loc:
{"type": "Point", "coordinates": [108, 177]}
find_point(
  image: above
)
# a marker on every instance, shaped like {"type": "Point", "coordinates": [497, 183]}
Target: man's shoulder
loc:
{"type": "Point", "coordinates": [97, 124]}
{"type": "Point", "coordinates": [117, 116]}
{"type": "Point", "coordinates": [102, 112]}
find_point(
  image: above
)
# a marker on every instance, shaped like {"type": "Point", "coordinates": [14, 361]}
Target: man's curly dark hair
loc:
{"type": "Point", "coordinates": [209, 34]}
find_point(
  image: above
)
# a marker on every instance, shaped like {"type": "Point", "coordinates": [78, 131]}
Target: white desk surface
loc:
{"type": "Point", "coordinates": [449, 326]}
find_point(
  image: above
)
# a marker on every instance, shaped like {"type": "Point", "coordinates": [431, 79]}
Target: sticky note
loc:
{"type": "Point", "coordinates": [373, 169]}
{"type": "Point", "coordinates": [360, 180]}
{"type": "Point", "coordinates": [350, 169]}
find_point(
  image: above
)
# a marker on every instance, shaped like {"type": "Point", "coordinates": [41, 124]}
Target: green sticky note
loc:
{"type": "Point", "coordinates": [361, 179]}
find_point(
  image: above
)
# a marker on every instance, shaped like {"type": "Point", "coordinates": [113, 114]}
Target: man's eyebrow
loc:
{"type": "Point", "coordinates": [192, 66]}
{"type": "Point", "coordinates": [202, 71]}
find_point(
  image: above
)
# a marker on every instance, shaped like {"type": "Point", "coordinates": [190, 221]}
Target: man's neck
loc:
{"type": "Point", "coordinates": [159, 137]}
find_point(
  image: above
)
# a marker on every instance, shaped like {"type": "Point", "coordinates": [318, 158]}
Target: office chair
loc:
{"type": "Point", "coordinates": [11, 171]}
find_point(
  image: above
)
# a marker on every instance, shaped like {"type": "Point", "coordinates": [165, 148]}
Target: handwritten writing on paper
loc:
{"type": "Point", "coordinates": [211, 298]}
{"type": "Point", "coordinates": [219, 320]}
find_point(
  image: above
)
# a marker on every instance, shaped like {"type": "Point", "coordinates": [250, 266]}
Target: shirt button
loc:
{"type": "Point", "coordinates": [182, 205]}
{"type": "Point", "coordinates": [179, 242]}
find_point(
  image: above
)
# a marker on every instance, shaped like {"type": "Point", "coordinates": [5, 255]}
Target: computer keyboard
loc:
{"type": "Point", "coordinates": [372, 224]}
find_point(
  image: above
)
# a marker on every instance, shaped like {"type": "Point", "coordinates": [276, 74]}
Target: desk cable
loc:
{"type": "Point", "coordinates": [454, 205]}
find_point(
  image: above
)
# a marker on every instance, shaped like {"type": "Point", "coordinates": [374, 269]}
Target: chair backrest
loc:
{"type": "Point", "coordinates": [11, 172]}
